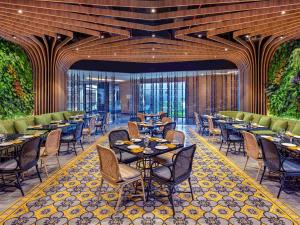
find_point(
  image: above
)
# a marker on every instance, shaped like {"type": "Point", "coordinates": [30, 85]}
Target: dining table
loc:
{"type": "Point", "coordinates": [151, 126]}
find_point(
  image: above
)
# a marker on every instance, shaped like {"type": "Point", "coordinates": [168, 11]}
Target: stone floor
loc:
{"type": "Point", "coordinates": [7, 198]}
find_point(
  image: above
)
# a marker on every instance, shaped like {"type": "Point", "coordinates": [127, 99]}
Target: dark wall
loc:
{"type": "Point", "coordinates": [130, 67]}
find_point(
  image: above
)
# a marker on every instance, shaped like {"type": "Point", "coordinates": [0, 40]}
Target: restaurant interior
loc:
{"type": "Point", "coordinates": [149, 112]}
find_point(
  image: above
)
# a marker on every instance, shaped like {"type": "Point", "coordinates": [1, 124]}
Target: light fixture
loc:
{"type": "Point", "coordinates": [153, 49]}
{"type": "Point", "coordinates": [199, 35]}
{"type": "Point", "coordinates": [89, 56]}
{"type": "Point", "coordinates": [247, 36]}
{"type": "Point", "coordinates": [58, 36]}
{"type": "Point", "coordinates": [153, 10]}
{"type": "Point", "coordinates": [115, 54]}
{"type": "Point", "coordinates": [153, 35]}
{"type": "Point", "coordinates": [77, 49]}
{"type": "Point", "coordinates": [20, 11]}
{"type": "Point", "coordinates": [283, 12]}
{"type": "Point", "coordinates": [14, 37]}
{"type": "Point", "coordinates": [102, 36]}
{"type": "Point", "coordinates": [153, 57]}
{"type": "Point", "coordinates": [281, 37]}
{"type": "Point", "coordinates": [226, 49]}
{"type": "Point", "coordinates": [185, 53]}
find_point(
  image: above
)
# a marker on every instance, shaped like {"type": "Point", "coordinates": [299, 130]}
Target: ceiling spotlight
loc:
{"type": "Point", "coordinates": [226, 49]}
{"type": "Point", "coordinates": [58, 36]}
{"type": "Point", "coordinates": [199, 35]}
{"type": "Point", "coordinates": [185, 53]}
{"type": "Point", "coordinates": [247, 36]}
{"type": "Point", "coordinates": [77, 49]}
{"type": "Point", "coordinates": [153, 49]}
{"type": "Point", "coordinates": [14, 37]}
{"type": "Point", "coordinates": [89, 56]}
{"type": "Point", "coordinates": [283, 12]}
{"type": "Point", "coordinates": [153, 35]}
{"type": "Point", "coordinates": [115, 54]}
{"type": "Point", "coordinates": [20, 11]}
{"type": "Point", "coordinates": [153, 10]}
{"type": "Point", "coordinates": [153, 57]}
{"type": "Point", "coordinates": [281, 37]}
{"type": "Point", "coordinates": [102, 36]}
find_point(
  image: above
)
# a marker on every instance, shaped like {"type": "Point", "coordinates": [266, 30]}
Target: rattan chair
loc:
{"type": "Point", "coordinates": [133, 130]}
{"type": "Point", "coordinates": [276, 163]}
{"type": "Point", "coordinates": [203, 125]}
{"type": "Point", "coordinates": [141, 116]}
{"type": "Point", "coordinates": [252, 150]}
{"type": "Point", "coordinates": [100, 120]}
{"type": "Point", "coordinates": [197, 121]}
{"type": "Point", "coordinates": [73, 138]}
{"type": "Point", "coordinates": [90, 130]}
{"type": "Point", "coordinates": [230, 138]}
{"type": "Point", "coordinates": [123, 135]}
{"type": "Point", "coordinates": [106, 124]}
{"type": "Point", "coordinates": [175, 173]}
{"type": "Point", "coordinates": [51, 149]}
{"type": "Point", "coordinates": [172, 136]}
{"type": "Point", "coordinates": [26, 159]}
{"type": "Point", "coordinates": [118, 175]}
{"type": "Point", "coordinates": [168, 127]}
{"type": "Point", "coordinates": [162, 115]}
{"type": "Point", "coordinates": [213, 131]}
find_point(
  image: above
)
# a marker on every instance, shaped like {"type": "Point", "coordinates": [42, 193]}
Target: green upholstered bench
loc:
{"type": "Point", "coordinates": [20, 125]}
{"type": "Point", "coordinates": [272, 123]}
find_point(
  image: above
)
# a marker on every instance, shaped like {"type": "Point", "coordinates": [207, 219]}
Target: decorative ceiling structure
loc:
{"type": "Point", "coordinates": [58, 33]}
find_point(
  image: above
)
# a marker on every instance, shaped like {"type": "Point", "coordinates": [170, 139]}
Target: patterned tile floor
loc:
{"type": "Point", "coordinates": [224, 195]}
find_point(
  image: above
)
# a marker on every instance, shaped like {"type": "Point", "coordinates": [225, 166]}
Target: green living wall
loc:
{"type": "Point", "coordinates": [16, 84]}
{"type": "Point", "coordinates": [283, 88]}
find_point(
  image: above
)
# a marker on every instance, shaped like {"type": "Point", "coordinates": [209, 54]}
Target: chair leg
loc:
{"type": "Point", "coordinates": [81, 145]}
{"type": "Point", "coordinates": [119, 198]}
{"type": "Point", "coordinates": [228, 147]}
{"type": "Point", "coordinates": [149, 188]}
{"type": "Point", "coordinates": [246, 162]}
{"type": "Point", "coordinates": [44, 166]}
{"type": "Point", "coordinates": [191, 188]}
{"type": "Point", "coordinates": [170, 196]}
{"type": "Point", "coordinates": [258, 171]}
{"type": "Point", "coordinates": [263, 173]}
{"type": "Point", "coordinates": [221, 145]}
{"type": "Point", "coordinates": [38, 172]}
{"type": "Point", "coordinates": [282, 181]}
{"type": "Point", "coordinates": [58, 162]}
{"type": "Point", "coordinates": [74, 146]}
{"type": "Point", "coordinates": [18, 184]}
{"type": "Point", "coordinates": [143, 189]}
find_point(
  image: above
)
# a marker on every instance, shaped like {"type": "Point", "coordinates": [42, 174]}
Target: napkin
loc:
{"type": "Point", "coordinates": [295, 148]}
{"type": "Point", "coordinates": [137, 150]}
{"type": "Point", "coordinates": [128, 142]}
{"type": "Point", "coordinates": [169, 145]}
{"type": "Point", "coordinates": [153, 139]}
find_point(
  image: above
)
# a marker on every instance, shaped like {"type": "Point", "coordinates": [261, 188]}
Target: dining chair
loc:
{"type": "Point", "coordinates": [133, 130]}
{"type": "Point", "coordinates": [276, 163]}
{"type": "Point", "coordinates": [73, 138]}
{"type": "Point", "coordinates": [230, 138]}
{"type": "Point", "coordinates": [118, 175]}
{"type": "Point", "coordinates": [141, 116]}
{"type": "Point", "coordinates": [252, 150]}
{"type": "Point", "coordinates": [174, 174]}
{"type": "Point", "coordinates": [51, 149]}
{"type": "Point", "coordinates": [162, 115]}
{"type": "Point", "coordinates": [172, 136]}
{"type": "Point", "coordinates": [197, 121]}
{"type": "Point", "coordinates": [25, 159]}
{"type": "Point", "coordinates": [213, 131]}
{"type": "Point", "coordinates": [124, 157]}
{"type": "Point", "coordinates": [167, 127]}
{"type": "Point", "coordinates": [203, 124]}
{"type": "Point", "coordinates": [90, 130]}
{"type": "Point", "coordinates": [107, 122]}
{"type": "Point", "coordinates": [100, 120]}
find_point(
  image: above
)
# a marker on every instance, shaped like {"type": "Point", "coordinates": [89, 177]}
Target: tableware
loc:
{"type": "Point", "coordinates": [27, 136]}
{"type": "Point", "coordinates": [297, 136]}
{"type": "Point", "coordinates": [119, 142]}
{"type": "Point", "coordinates": [136, 140]}
{"type": "Point", "coordinates": [161, 147]}
{"type": "Point", "coordinates": [161, 140]}
{"type": "Point", "coordinates": [6, 143]}
{"type": "Point", "coordinates": [133, 147]}
{"type": "Point", "coordinates": [266, 136]}
{"type": "Point", "coordinates": [289, 145]}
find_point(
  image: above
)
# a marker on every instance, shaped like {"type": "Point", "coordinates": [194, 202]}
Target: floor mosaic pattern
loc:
{"type": "Point", "coordinates": [223, 195]}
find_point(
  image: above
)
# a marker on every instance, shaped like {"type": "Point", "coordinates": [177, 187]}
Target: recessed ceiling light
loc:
{"type": "Point", "coordinates": [20, 11]}
{"type": "Point", "coordinates": [153, 57]}
{"type": "Point", "coordinates": [101, 36]}
{"type": "Point", "coordinates": [153, 35]}
{"type": "Point", "coordinates": [14, 37]}
{"type": "Point", "coordinates": [77, 49]}
{"type": "Point", "coordinates": [283, 12]}
{"type": "Point", "coordinates": [89, 56]}
{"type": "Point", "coordinates": [226, 49]}
{"type": "Point", "coordinates": [58, 36]}
{"type": "Point", "coordinates": [281, 37]}
{"type": "Point", "coordinates": [153, 49]}
{"type": "Point", "coordinates": [247, 36]}
{"type": "Point", "coordinates": [153, 10]}
{"type": "Point", "coordinates": [185, 53]}
{"type": "Point", "coordinates": [115, 54]}
{"type": "Point", "coordinates": [199, 35]}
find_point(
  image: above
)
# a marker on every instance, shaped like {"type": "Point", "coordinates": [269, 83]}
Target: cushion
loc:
{"type": "Point", "coordinates": [67, 115]}
{"type": "Point", "coordinates": [265, 121]}
{"type": "Point", "coordinates": [248, 117]}
{"type": "Point", "coordinates": [42, 120]}
{"type": "Point", "coordinates": [240, 116]}
{"type": "Point", "coordinates": [256, 118]}
{"type": "Point", "coordinates": [21, 126]}
{"type": "Point", "coordinates": [58, 116]}
{"type": "Point", "coordinates": [263, 132]}
{"type": "Point", "coordinates": [296, 129]}
{"type": "Point", "coordinates": [2, 129]}
{"type": "Point", "coordinates": [279, 125]}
